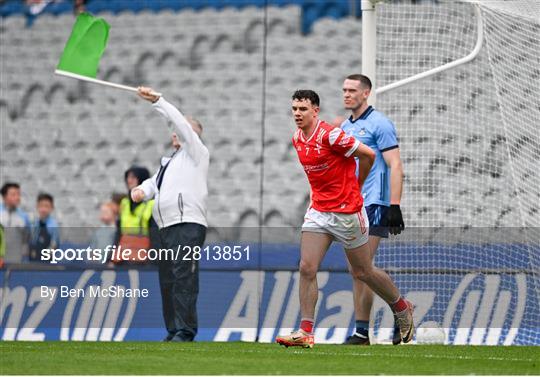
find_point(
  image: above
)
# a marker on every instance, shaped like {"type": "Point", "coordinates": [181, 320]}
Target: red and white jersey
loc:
{"type": "Point", "coordinates": [331, 171]}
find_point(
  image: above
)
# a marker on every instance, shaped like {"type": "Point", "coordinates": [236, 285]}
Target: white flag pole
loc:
{"type": "Point", "coordinates": [99, 82]}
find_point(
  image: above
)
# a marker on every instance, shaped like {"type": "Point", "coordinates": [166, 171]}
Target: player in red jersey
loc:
{"type": "Point", "coordinates": [336, 213]}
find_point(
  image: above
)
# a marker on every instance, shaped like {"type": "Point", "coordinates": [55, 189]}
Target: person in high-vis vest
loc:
{"type": "Point", "coordinates": [135, 222]}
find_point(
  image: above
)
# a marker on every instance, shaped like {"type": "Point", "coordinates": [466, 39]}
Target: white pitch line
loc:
{"type": "Point", "coordinates": [426, 356]}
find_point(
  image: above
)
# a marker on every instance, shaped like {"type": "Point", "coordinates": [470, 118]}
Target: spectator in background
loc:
{"type": "Point", "coordinates": [45, 228]}
{"type": "Point", "coordinates": [135, 222]}
{"type": "Point", "coordinates": [79, 6]}
{"type": "Point", "coordinates": [116, 199]}
{"type": "Point", "coordinates": [106, 234]}
{"type": "Point", "coordinates": [16, 224]}
{"type": "Point", "coordinates": [35, 7]}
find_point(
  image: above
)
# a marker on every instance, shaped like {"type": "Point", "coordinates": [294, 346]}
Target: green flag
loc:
{"type": "Point", "coordinates": [85, 46]}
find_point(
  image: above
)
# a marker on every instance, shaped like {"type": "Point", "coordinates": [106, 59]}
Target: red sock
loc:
{"type": "Point", "coordinates": [400, 305]}
{"type": "Point", "coordinates": [307, 325]}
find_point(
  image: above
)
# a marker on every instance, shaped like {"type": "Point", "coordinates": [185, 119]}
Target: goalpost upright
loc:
{"type": "Point", "coordinates": [369, 45]}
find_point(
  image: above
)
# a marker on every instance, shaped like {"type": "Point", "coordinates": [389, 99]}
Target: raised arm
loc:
{"type": "Point", "coordinates": [176, 122]}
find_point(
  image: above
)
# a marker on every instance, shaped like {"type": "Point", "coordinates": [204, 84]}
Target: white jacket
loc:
{"type": "Point", "coordinates": [183, 193]}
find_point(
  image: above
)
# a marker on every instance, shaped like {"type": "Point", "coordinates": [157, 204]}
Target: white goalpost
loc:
{"type": "Point", "coordinates": [461, 81]}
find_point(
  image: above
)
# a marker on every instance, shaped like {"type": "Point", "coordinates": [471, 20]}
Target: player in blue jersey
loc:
{"type": "Point", "coordinates": [381, 190]}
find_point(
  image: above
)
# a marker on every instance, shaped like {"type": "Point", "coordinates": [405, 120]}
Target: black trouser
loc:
{"type": "Point", "coordinates": [179, 279]}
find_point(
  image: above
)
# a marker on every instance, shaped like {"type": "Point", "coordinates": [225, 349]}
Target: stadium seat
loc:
{"type": "Point", "coordinates": [14, 22]}
{"type": "Point", "coordinates": [11, 8]}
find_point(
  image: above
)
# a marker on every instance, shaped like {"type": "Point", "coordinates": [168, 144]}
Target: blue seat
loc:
{"type": "Point", "coordinates": [59, 8]}
{"type": "Point", "coordinates": [245, 3]}
{"type": "Point", "coordinates": [96, 6]}
{"type": "Point", "coordinates": [217, 4]}
{"type": "Point", "coordinates": [282, 3]}
{"type": "Point", "coordinates": [312, 10]}
{"type": "Point", "coordinates": [154, 6]}
{"type": "Point", "coordinates": [12, 7]}
{"type": "Point", "coordinates": [174, 5]}
{"type": "Point", "coordinates": [335, 9]}
{"type": "Point", "coordinates": [310, 14]}
{"type": "Point", "coordinates": [138, 6]}
{"type": "Point", "coordinates": [121, 6]}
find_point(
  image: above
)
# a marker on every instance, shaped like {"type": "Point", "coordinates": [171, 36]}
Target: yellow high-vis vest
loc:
{"type": "Point", "coordinates": [136, 222]}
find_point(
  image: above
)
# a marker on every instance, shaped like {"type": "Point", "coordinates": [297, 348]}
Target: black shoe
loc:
{"type": "Point", "coordinates": [168, 338]}
{"type": "Point", "coordinates": [357, 340]}
{"type": "Point", "coordinates": [177, 338]}
{"type": "Point", "coordinates": [396, 337]}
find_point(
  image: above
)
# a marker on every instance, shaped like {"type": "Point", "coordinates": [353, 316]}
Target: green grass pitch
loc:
{"type": "Point", "coordinates": [253, 358]}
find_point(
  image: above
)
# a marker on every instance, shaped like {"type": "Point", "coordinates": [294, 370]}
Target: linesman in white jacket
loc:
{"type": "Point", "coordinates": [180, 192]}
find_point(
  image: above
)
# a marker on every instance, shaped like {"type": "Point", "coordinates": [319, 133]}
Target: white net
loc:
{"type": "Point", "coordinates": [469, 141]}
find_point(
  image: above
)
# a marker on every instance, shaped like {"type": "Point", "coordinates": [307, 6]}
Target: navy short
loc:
{"type": "Point", "coordinates": [376, 213]}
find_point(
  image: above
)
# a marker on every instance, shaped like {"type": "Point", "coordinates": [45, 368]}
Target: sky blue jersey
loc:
{"type": "Point", "coordinates": [377, 132]}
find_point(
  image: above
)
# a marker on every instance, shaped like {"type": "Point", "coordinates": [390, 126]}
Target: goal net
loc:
{"type": "Point", "coordinates": [470, 144]}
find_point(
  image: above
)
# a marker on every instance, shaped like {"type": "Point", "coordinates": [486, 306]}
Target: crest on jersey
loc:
{"type": "Point", "coordinates": [362, 131]}
{"type": "Point", "coordinates": [344, 141]}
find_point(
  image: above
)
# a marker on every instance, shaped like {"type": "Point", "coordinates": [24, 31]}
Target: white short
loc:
{"type": "Point", "coordinates": [349, 229]}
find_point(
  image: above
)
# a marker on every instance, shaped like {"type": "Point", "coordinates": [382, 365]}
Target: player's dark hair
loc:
{"type": "Point", "coordinates": [9, 185]}
{"type": "Point", "coordinates": [307, 94]}
{"type": "Point", "coordinates": [45, 196]}
{"type": "Point", "coordinates": [364, 80]}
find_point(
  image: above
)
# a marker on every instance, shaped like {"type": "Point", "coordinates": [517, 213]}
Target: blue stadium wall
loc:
{"type": "Point", "coordinates": [257, 299]}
